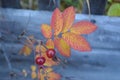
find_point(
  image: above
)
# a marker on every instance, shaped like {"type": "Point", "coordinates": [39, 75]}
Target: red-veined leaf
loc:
{"type": "Point", "coordinates": [76, 42]}
{"type": "Point", "coordinates": [57, 21]}
{"type": "Point", "coordinates": [46, 31]}
{"type": "Point", "coordinates": [68, 18]}
{"type": "Point", "coordinates": [62, 47]}
{"type": "Point", "coordinates": [50, 44]}
{"type": "Point", "coordinates": [83, 27]}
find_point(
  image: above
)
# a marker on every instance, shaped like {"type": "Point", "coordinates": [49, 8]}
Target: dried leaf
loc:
{"type": "Point", "coordinates": [68, 18]}
{"type": "Point", "coordinates": [46, 31]}
{"type": "Point", "coordinates": [83, 27]}
{"type": "Point", "coordinates": [57, 21]}
{"type": "Point", "coordinates": [62, 47]}
{"type": "Point", "coordinates": [77, 42]}
{"type": "Point", "coordinates": [31, 39]}
{"type": "Point", "coordinates": [25, 50]}
{"type": "Point", "coordinates": [50, 44]}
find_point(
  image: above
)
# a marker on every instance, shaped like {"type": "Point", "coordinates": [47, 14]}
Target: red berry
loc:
{"type": "Point", "coordinates": [50, 53]}
{"type": "Point", "coordinates": [40, 60]}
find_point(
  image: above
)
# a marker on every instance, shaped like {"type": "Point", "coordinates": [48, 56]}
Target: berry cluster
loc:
{"type": "Point", "coordinates": [41, 60]}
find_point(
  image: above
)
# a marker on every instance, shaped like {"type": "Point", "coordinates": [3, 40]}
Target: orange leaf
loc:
{"type": "Point", "coordinates": [83, 27]}
{"type": "Point", "coordinates": [57, 21]}
{"type": "Point", "coordinates": [68, 18]}
{"type": "Point", "coordinates": [62, 47]}
{"type": "Point", "coordinates": [25, 50]}
{"type": "Point", "coordinates": [50, 44]}
{"type": "Point", "coordinates": [46, 31]}
{"type": "Point", "coordinates": [77, 42]}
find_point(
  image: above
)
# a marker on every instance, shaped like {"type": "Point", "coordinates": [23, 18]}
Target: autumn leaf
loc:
{"type": "Point", "coordinates": [62, 47]}
{"type": "Point", "coordinates": [50, 44]}
{"type": "Point", "coordinates": [46, 31]}
{"type": "Point", "coordinates": [33, 67]}
{"type": "Point", "coordinates": [25, 50]}
{"type": "Point", "coordinates": [76, 42]}
{"type": "Point", "coordinates": [83, 27]}
{"type": "Point", "coordinates": [57, 21]}
{"type": "Point", "coordinates": [68, 18]}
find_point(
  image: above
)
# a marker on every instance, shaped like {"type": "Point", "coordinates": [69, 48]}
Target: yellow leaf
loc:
{"type": "Point", "coordinates": [33, 68]}
{"type": "Point", "coordinates": [83, 27]}
{"type": "Point", "coordinates": [68, 18]}
{"type": "Point", "coordinates": [34, 75]}
{"type": "Point", "coordinates": [50, 44]}
{"type": "Point", "coordinates": [76, 42]}
{"type": "Point", "coordinates": [62, 47]}
{"type": "Point", "coordinates": [57, 21]}
{"type": "Point", "coordinates": [25, 50]}
{"type": "Point", "coordinates": [46, 31]}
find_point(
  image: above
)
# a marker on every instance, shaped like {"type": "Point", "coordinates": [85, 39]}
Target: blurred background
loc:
{"type": "Point", "coordinates": [99, 7]}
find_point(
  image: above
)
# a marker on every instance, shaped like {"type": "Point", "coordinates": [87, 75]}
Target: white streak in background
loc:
{"type": "Point", "coordinates": [88, 4]}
